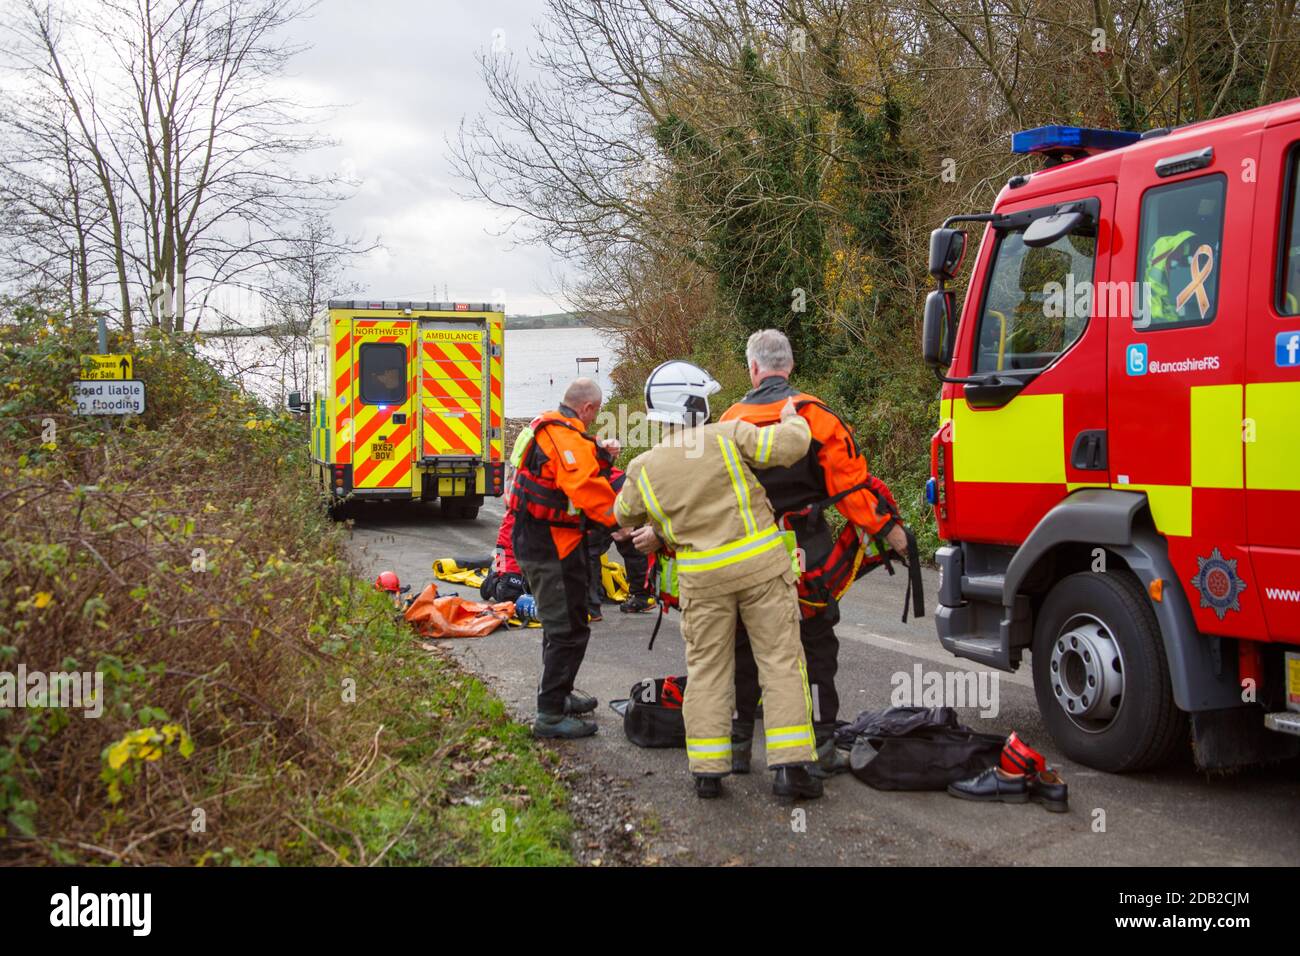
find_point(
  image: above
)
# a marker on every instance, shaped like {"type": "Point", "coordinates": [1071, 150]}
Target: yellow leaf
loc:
{"type": "Point", "coordinates": [43, 598]}
{"type": "Point", "coordinates": [118, 754]}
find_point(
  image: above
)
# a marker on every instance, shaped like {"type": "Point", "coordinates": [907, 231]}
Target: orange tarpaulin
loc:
{"type": "Point", "coordinates": [453, 616]}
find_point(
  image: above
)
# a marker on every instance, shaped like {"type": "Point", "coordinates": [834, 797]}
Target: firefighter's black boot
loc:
{"type": "Point", "coordinates": [830, 759]}
{"type": "Point", "coordinates": [794, 782]}
{"type": "Point", "coordinates": [708, 787]}
{"type": "Point", "coordinates": [742, 745]}
{"type": "Point", "coordinates": [579, 703]}
{"type": "Point", "coordinates": [563, 725]}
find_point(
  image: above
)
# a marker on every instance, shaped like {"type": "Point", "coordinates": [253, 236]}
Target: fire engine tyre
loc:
{"type": "Point", "coordinates": [1101, 677]}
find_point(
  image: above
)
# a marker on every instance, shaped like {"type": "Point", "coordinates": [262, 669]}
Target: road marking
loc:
{"type": "Point", "coordinates": [936, 654]}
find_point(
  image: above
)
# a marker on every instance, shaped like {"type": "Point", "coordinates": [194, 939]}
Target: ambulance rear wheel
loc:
{"type": "Point", "coordinates": [1101, 677]}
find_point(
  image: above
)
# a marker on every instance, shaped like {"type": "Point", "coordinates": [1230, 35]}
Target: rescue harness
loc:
{"type": "Point", "coordinates": [536, 496]}
{"type": "Point", "coordinates": [848, 559]}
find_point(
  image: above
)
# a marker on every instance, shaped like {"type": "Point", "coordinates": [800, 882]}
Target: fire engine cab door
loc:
{"type": "Point", "coordinates": [383, 392]}
{"type": "Point", "coordinates": [1272, 390]}
{"type": "Point", "coordinates": [1033, 323]}
{"type": "Point", "coordinates": [453, 384]}
{"type": "Point", "coordinates": [1176, 366]}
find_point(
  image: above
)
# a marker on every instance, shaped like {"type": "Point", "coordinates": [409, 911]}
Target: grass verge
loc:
{"type": "Point", "coordinates": [258, 704]}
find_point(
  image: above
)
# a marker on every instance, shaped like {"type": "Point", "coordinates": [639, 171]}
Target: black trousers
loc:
{"type": "Point", "coordinates": [821, 648]}
{"type": "Point", "coordinates": [560, 587]}
{"type": "Point", "coordinates": [637, 565]}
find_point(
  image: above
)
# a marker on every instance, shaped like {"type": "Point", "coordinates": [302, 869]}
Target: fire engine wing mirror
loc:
{"type": "Point", "coordinates": [295, 402]}
{"type": "Point", "coordinates": [947, 250]}
{"type": "Point", "coordinates": [938, 331]}
{"type": "Point", "coordinates": [1047, 229]}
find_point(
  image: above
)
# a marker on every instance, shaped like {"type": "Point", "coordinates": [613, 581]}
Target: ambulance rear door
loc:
{"type": "Point", "coordinates": [453, 388]}
{"type": "Point", "coordinates": [383, 403]}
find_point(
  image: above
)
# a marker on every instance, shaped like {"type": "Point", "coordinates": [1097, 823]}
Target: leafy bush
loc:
{"type": "Point", "coordinates": [260, 705]}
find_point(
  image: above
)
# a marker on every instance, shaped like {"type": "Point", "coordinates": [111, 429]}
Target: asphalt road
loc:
{"type": "Point", "coordinates": [1176, 816]}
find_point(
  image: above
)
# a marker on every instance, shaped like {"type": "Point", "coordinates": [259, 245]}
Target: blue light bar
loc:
{"type": "Point", "coordinates": [1070, 139]}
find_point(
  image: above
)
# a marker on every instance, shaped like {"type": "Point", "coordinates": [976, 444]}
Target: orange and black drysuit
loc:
{"type": "Point", "coordinates": [833, 467]}
{"type": "Point", "coordinates": [561, 487]}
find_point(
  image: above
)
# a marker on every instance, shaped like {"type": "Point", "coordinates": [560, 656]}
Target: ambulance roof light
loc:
{"type": "Point", "coordinates": [1048, 139]}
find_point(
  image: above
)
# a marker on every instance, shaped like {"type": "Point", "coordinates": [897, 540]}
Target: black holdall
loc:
{"type": "Point", "coordinates": [917, 748]}
{"type": "Point", "coordinates": [652, 712]}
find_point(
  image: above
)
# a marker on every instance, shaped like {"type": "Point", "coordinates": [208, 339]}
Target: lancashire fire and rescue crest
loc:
{"type": "Point", "coordinates": [1218, 584]}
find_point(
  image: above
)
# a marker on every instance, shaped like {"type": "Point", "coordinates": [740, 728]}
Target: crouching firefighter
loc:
{"type": "Point", "coordinates": [559, 484]}
{"type": "Point", "coordinates": [697, 489]}
{"type": "Point", "coordinates": [832, 472]}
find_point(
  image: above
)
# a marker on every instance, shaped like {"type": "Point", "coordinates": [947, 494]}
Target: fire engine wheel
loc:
{"type": "Point", "coordinates": [1101, 677]}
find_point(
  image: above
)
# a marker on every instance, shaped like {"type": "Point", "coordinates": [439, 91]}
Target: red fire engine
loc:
{"type": "Point", "coordinates": [1117, 470]}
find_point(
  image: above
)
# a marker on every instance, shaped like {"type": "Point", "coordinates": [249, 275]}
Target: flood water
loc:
{"type": "Point", "coordinates": [541, 362]}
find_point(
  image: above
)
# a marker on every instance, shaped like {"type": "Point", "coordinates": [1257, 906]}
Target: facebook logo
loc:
{"type": "Point", "coordinates": [1288, 349]}
{"type": "Point", "coordinates": [1136, 359]}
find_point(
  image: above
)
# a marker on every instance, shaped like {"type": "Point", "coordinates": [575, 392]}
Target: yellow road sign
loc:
{"type": "Point", "coordinates": [99, 368]}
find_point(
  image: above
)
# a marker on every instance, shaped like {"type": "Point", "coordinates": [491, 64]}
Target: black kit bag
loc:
{"type": "Point", "coordinates": [917, 748]}
{"type": "Point", "coordinates": [652, 712]}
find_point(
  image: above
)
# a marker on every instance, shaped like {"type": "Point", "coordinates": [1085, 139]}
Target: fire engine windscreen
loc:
{"type": "Point", "coordinates": [383, 373]}
{"type": "Point", "coordinates": [1037, 300]}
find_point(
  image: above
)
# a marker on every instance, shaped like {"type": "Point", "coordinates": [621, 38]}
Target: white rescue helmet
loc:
{"type": "Point", "coordinates": [678, 393]}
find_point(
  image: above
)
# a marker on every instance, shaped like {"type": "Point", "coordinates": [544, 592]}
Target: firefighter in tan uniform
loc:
{"type": "Point", "coordinates": [697, 489]}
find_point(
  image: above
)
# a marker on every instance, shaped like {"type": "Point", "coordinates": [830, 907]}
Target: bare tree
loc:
{"type": "Point", "coordinates": [169, 110]}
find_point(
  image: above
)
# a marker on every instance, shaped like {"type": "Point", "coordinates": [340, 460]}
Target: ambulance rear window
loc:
{"type": "Point", "coordinates": [383, 373]}
{"type": "Point", "coordinates": [1178, 254]}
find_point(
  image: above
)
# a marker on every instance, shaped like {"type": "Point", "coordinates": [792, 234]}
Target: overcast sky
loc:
{"type": "Point", "coordinates": [405, 73]}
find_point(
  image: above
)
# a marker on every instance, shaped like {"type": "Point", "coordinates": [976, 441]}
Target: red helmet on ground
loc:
{"type": "Point", "coordinates": [387, 581]}
{"type": "Point", "coordinates": [1019, 757]}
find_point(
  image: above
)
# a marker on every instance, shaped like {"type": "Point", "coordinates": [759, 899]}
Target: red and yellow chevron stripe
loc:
{"type": "Point", "coordinates": [496, 386]}
{"type": "Point", "coordinates": [386, 463]}
{"type": "Point", "coordinates": [451, 391]}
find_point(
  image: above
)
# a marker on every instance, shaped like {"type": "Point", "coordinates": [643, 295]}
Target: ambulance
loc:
{"type": "Point", "coordinates": [405, 402]}
{"type": "Point", "coordinates": [1116, 473]}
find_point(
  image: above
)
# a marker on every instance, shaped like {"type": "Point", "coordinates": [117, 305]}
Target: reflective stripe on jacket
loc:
{"type": "Point", "coordinates": [698, 488]}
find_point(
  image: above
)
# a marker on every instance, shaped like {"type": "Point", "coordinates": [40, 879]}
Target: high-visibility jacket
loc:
{"type": "Point", "coordinates": [697, 487]}
{"type": "Point", "coordinates": [562, 476]}
{"type": "Point", "coordinates": [1156, 275]}
{"type": "Point", "coordinates": [832, 465]}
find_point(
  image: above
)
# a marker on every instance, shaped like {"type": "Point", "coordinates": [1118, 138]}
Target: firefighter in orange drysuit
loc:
{"type": "Point", "coordinates": [559, 488]}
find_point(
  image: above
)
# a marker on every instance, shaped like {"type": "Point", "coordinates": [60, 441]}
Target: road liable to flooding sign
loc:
{"type": "Point", "coordinates": [109, 398]}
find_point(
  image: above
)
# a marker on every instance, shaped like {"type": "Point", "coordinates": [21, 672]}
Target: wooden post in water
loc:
{"type": "Point", "coordinates": [594, 360]}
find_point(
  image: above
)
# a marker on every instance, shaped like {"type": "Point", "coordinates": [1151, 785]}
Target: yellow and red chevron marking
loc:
{"type": "Point", "coordinates": [452, 397]}
{"type": "Point", "coordinates": [341, 397]}
{"type": "Point", "coordinates": [453, 422]}
{"type": "Point", "coordinates": [369, 421]}
{"type": "Point", "coordinates": [460, 362]}
{"type": "Point", "coordinates": [387, 474]}
{"type": "Point", "coordinates": [496, 387]}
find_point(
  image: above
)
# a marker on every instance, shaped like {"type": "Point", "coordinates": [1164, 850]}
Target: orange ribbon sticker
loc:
{"type": "Point", "coordinates": [1201, 269]}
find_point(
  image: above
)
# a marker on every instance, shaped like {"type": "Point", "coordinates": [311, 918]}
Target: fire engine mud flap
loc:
{"type": "Point", "coordinates": [1225, 739]}
{"type": "Point", "coordinates": [1202, 678]}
